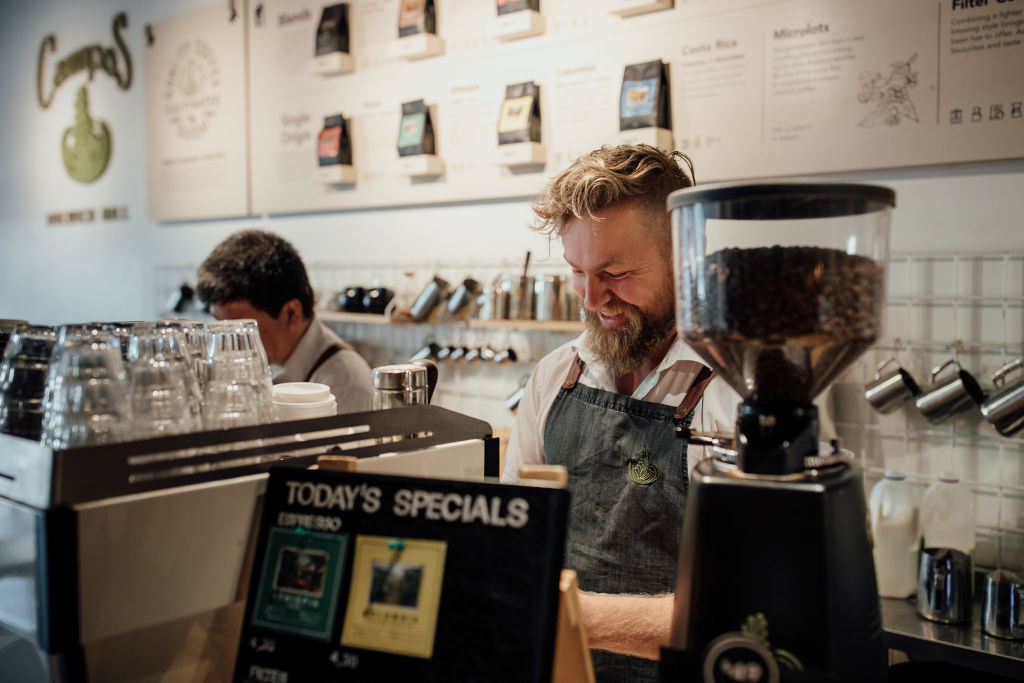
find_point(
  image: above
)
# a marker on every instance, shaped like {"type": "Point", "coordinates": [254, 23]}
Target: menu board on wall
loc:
{"type": "Point", "coordinates": [790, 87]}
{"type": "Point", "coordinates": [196, 117]}
{"type": "Point", "coordinates": [807, 87]}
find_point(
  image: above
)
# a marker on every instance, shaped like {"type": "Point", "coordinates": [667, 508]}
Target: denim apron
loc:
{"type": "Point", "coordinates": [628, 476]}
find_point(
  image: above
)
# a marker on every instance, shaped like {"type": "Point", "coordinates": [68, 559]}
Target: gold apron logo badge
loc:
{"type": "Point", "coordinates": [641, 471]}
{"type": "Point", "coordinates": [85, 146]}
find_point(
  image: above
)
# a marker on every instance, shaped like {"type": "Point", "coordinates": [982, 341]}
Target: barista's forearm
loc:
{"type": "Point", "coordinates": [635, 625]}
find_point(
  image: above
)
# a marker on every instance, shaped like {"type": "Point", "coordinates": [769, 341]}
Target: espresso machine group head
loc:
{"type": "Point", "coordinates": [779, 287]}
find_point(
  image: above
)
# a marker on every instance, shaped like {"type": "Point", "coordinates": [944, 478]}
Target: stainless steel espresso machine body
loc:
{"type": "Point", "coordinates": [780, 286]}
{"type": "Point", "coordinates": [128, 562]}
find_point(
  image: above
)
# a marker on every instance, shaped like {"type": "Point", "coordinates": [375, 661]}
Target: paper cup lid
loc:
{"type": "Point", "coordinates": [301, 392]}
{"type": "Point", "coordinates": [302, 411]}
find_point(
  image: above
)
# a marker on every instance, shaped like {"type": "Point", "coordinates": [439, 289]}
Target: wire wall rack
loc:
{"type": "Point", "coordinates": [968, 307]}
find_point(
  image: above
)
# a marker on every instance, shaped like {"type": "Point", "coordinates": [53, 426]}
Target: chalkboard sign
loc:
{"type": "Point", "coordinates": [362, 577]}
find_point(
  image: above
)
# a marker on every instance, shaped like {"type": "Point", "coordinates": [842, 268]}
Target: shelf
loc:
{"type": "Point", "coordinates": [418, 165]}
{"type": "Point", "coordinates": [516, 25]}
{"type": "Point", "coordinates": [333, 63]}
{"type": "Point", "coordinates": [629, 8]}
{"type": "Point", "coordinates": [530, 325]}
{"type": "Point", "coordinates": [520, 154]}
{"type": "Point", "coordinates": [417, 46]}
{"type": "Point", "coordinates": [963, 645]}
{"type": "Point", "coordinates": [525, 325]}
{"type": "Point", "coordinates": [360, 318]}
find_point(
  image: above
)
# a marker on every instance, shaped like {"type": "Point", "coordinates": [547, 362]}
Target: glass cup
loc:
{"type": "Point", "coordinates": [164, 394]}
{"type": "Point", "coordinates": [86, 399]}
{"type": "Point", "coordinates": [235, 356]}
{"type": "Point", "coordinates": [193, 334]}
{"type": "Point", "coordinates": [23, 380]}
{"type": "Point", "coordinates": [7, 326]}
{"type": "Point", "coordinates": [233, 404]}
{"type": "Point", "coordinates": [123, 332]}
{"type": "Point", "coordinates": [193, 343]}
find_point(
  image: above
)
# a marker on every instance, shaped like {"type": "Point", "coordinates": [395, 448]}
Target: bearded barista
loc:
{"type": "Point", "coordinates": [607, 404]}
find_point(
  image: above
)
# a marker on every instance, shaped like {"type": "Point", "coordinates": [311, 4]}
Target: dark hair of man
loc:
{"type": "Point", "coordinates": [259, 267]}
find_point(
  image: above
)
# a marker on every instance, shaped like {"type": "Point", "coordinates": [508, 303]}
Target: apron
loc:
{"type": "Point", "coordinates": [629, 477]}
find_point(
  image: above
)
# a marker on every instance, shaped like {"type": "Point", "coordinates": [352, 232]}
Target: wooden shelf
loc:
{"type": "Point", "coordinates": [346, 317]}
{"type": "Point", "coordinates": [525, 325]}
{"type": "Point", "coordinates": [530, 325]}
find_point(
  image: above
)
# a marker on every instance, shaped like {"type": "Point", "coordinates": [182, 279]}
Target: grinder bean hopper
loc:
{"type": "Point", "coordinates": [779, 287]}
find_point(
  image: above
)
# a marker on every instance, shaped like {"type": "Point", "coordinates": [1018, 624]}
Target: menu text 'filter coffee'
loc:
{"type": "Point", "coordinates": [520, 114]}
{"type": "Point", "coordinates": [416, 130]}
{"type": "Point", "coordinates": [644, 101]}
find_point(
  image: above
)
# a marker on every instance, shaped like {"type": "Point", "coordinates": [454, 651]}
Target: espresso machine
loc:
{"type": "Point", "coordinates": [130, 562]}
{"type": "Point", "coordinates": [779, 287]}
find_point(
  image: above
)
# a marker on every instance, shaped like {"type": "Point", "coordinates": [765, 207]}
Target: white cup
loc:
{"type": "Point", "coordinates": [302, 401]}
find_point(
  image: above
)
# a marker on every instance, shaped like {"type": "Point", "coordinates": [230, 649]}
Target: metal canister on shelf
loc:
{"type": "Point", "coordinates": [404, 384]}
{"type": "Point", "coordinates": [493, 303]}
{"type": "Point", "coordinates": [434, 293]}
{"type": "Point", "coordinates": [549, 297]}
{"type": "Point", "coordinates": [520, 297]}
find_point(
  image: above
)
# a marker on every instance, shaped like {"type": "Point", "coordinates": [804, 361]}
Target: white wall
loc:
{"type": "Point", "coordinates": [107, 271]}
{"type": "Point", "coordinates": [104, 270]}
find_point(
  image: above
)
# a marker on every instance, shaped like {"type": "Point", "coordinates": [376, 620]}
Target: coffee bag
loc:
{"type": "Point", "coordinates": [334, 145]}
{"type": "Point", "coordinates": [520, 114]}
{"type": "Point", "coordinates": [332, 32]}
{"type": "Point", "coordinates": [644, 101]}
{"type": "Point", "coordinates": [416, 16]}
{"type": "Point", "coordinates": [416, 130]}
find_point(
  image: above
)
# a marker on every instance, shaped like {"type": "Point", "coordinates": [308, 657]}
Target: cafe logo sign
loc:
{"type": "Point", "coordinates": [85, 145]}
{"type": "Point", "coordinates": [192, 92]}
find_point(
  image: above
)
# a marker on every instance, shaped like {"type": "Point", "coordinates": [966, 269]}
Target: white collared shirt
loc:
{"type": "Point", "coordinates": [346, 373]}
{"type": "Point", "coordinates": [666, 384]}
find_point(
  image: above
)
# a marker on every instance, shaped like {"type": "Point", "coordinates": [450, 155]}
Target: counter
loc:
{"type": "Point", "coordinates": [962, 644]}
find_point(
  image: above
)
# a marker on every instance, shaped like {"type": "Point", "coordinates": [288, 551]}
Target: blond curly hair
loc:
{"type": "Point", "coordinates": [611, 176]}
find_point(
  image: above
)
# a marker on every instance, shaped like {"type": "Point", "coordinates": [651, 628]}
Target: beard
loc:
{"type": "Point", "coordinates": [624, 348]}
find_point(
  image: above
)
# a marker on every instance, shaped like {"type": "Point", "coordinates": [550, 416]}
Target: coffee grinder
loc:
{"type": "Point", "coordinates": [779, 287]}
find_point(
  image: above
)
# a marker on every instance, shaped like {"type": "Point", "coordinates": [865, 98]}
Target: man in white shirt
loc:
{"type": "Point", "coordinates": [259, 275]}
{"type": "Point", "coordinates": [609, 404]}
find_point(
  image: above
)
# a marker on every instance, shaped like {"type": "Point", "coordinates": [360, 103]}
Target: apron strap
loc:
{"type": "Point", "coordinates": [690, 399]}
{"type": "Point", "coordinates": [574, 372]}
{"type": "Point", "coordinates": [324, 357]}
{"type": "Point", "coordinates": [695, 392]}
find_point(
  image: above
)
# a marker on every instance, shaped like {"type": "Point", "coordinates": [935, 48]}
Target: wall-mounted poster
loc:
{"type": "Point", "coordinates": [197, 117]}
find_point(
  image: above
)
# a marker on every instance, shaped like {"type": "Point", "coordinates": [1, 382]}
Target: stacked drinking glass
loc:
{"type": "Point", "coordinates": [86, 398]}
{"type": "Point", "coordinates": [238, 387]}
{"type": "Point", "coordinates": [23, 380]}
{"type": "Point", "coordinates": [164, 391]}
